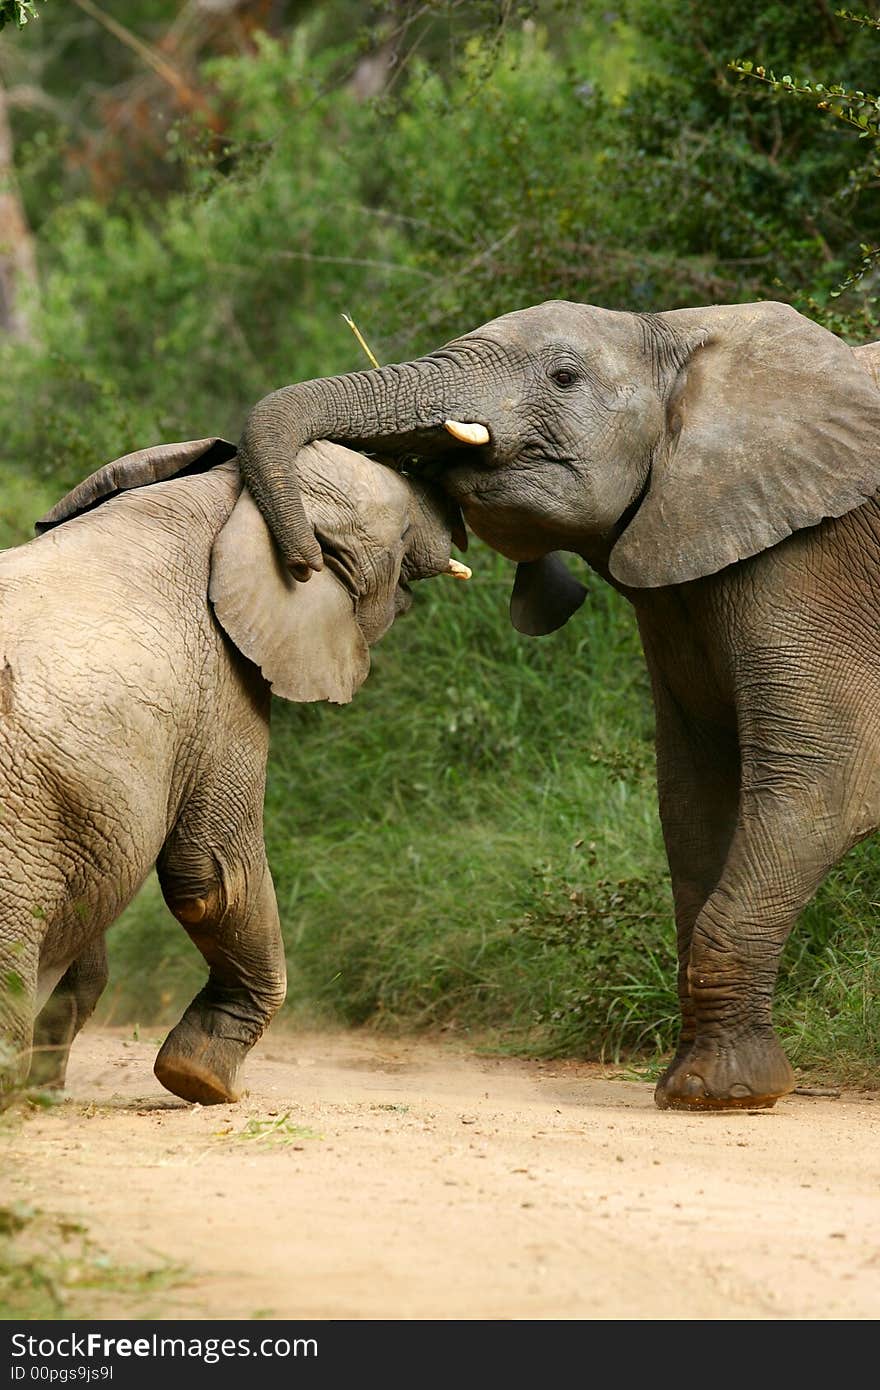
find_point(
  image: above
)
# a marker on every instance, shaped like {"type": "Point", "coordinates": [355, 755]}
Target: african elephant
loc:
{"type": "Point", "coordinates": [719, 467]}
{"type": "Point", "coordinates": [134, 726]}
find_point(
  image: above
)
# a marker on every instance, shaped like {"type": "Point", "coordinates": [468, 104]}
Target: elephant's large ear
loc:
{"type": "Point", "coordinates": [152, 465]}
{"type": "Point", "coordinates": [545, 594]}
{"type": "Point", "coordinates": [304, 637]}
{"type": "Point", "coordinates": [772, 425]}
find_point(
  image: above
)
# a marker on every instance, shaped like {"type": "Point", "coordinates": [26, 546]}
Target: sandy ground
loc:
{"type": "Point", "coordinates": [368, 1178]}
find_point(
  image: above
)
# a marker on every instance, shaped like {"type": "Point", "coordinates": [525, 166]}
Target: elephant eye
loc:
{"type": "Point", "coordinates": [564, 376]}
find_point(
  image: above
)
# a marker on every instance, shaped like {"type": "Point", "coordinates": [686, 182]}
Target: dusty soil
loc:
{"type": "Point", "coordinates": [368, 1178]}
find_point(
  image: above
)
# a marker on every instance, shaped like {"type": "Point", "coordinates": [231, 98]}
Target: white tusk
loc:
{"type": "Point", "coordinates": [468, 434]}
{"type": "Point", "coordinates": [458, 571]}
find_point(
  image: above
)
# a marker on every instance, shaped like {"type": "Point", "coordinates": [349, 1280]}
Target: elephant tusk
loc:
{"type": "Point", "coordinates": [458, 570]}
{"type": "Point", "coordinates": [468, 434]}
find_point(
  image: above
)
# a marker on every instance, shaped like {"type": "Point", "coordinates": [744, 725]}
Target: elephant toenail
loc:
{"type": "Point", "coordinates": [739, 1089]}
{"type": "Point", "coordinates": [693, 1086]}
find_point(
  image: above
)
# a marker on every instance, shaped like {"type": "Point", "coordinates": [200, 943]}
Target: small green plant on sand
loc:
{"type": "Point", "coordinates": [275, 1130]}
{"type": "Point", "coordinates": [51, 1268]}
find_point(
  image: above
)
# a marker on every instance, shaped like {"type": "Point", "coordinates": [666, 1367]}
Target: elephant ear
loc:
{"type": "Point", "coordinates": [304, 637]}
{"type": "Point", "coordinates": [153, 465]}
{"type": "Point", "coordinates": [772, 425]}
{"type": "Point", "coordinates": [545, 594]}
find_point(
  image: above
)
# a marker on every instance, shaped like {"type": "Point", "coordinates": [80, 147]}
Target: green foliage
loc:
{"type": "Point", "coordinates": [828, 1001]}
{"type": "Point", "coordinates": [855, 108]}
{"type": "Point", "coordinates": [860, 110]}
{"type": "Point", "coordinates": [405, 830]}
{"type": "Point", "coordinates": [276, 1131]}
{"type": "Point", "coordinates": [608, 162]}
{"type": "Point", "coordinates": [18, 12]}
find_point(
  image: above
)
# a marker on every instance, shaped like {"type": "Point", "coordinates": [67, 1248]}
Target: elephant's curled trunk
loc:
{"type": "Point", "coordinates": [379, 409]}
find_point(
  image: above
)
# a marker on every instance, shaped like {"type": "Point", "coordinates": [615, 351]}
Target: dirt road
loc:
{"type": "Point", "coordinates": [368, 1178]}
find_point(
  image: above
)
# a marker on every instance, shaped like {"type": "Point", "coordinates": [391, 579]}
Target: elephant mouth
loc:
{"type": "Point", "coordinates": [444, 458]}
{"type": "Point", "coordinates": [403, 597]}
{"type": "Point", "coordinates": [424, 444]}
{"type": "Point", "coordinates": [427, 453]}
{"type": "Point", "coordinates": [454, 457]}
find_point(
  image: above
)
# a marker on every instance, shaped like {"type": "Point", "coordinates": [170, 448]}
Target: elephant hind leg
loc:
{"type": "Point", "coordinates": [70, 1005]}
{"type": "Point", "coordinates": [227, 905]}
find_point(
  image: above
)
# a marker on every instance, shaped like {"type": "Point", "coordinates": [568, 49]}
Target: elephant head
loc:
{"type": "Point", "coordinates": [378, 530]}
{"type": "Point", "coordinates": [661, 447]}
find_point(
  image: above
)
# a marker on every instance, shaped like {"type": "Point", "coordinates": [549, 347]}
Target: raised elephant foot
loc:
{"type": "Point", "coordinates": [198, 1067]}
{"type": "Point", "coordinates": [750, 1074]}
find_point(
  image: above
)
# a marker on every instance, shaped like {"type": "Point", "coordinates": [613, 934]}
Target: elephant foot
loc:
{"type": "Point", "coordinates": [198, 1067]}
{"type": "Point", "coordinates": [48, 1070]}
{"type": "Point", "coordinates": [750, 1074]}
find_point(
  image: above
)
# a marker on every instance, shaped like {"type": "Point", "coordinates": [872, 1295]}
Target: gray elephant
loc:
{"type": "Point", "coordinates": [134, 726]}
{"type": "Point", "coordinates": [719, 467]}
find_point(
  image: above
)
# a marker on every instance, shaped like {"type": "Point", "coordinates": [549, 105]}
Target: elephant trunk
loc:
{"type": "Point", "coordinates": [390, 409]}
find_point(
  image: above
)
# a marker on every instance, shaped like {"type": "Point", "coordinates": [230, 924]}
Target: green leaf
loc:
{"type": "Point", "coordinates": [18, 12]}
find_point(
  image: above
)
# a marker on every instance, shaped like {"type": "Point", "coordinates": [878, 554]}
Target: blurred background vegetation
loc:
{"type": "Point", "coordinates": [193, 192]}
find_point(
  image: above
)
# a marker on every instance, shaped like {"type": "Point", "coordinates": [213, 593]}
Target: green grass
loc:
{"type": "Point", "coordinates": [829, 990]}
{"type": "Point", "coordinates": [475, 841]}
{"type": "Point", "coordinates": [274, 1131]}
{"type": "Point", "coordinates": [51, 1268]}
{"type": "Point", "coordinates": [417, 835]}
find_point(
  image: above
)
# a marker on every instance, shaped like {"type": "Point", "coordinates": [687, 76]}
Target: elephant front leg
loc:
{"type": "Point", "coordinates": [70, 1005]}
{"type": "Point", "coordinates": [735, 1059]}
{"type": "Point", "coordinates": [786, 840]}
{"type": "Point", "coordinates": [698, 775]}
{"type": "Point", "coordinates": [231, 914]}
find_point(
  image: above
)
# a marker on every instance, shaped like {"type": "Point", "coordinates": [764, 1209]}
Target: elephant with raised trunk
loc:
{"type": "Point", "coordinates": [719, 467]}
{"type": "Point", "coordinates": [134, 726]}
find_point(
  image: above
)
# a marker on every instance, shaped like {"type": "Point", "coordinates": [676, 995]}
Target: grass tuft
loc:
{"type": "Point", "coordinates": [51, 1268]}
